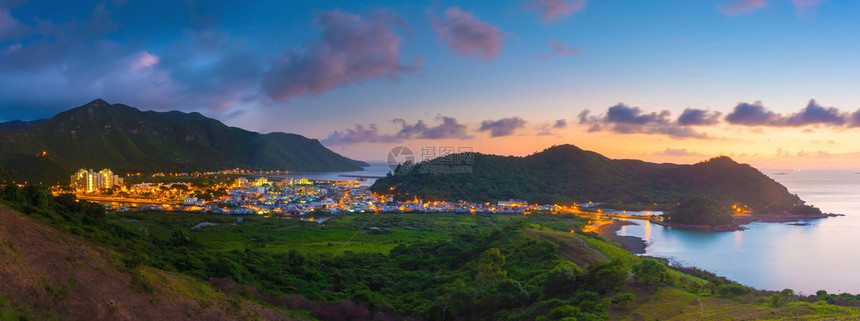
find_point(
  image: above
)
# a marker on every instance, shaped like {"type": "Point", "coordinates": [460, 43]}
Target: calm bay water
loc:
{"type": "Point", "coordinates": [377, 170]}
{"type": "Point", "coordinates": [822, 255]}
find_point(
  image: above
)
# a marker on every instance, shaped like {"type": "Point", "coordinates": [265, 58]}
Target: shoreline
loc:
{"type": "Point", "coordinates": [632, 244]}
{"type": "Point", "coordinates": [739, 223]}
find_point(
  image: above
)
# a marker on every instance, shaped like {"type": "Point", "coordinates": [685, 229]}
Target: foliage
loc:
{"type": "Point", "coordinates": [564, 174]}
{"type": "Point", "coordinates": [127, 140]}
{"type": "Point", "coordinates": [699, 210]}
{"type": "Point", "coordinates": [731, 290]}
{"type": "Point", "coordinates": [649, 271]}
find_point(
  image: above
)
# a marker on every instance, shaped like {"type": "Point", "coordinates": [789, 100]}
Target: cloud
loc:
{"type": "Point", "coordinates": [552, 10]}
{"type": "Point", "coordinates": [351, 50]}
{"type": "Point", "coordinates": [752, 115]}
{"type": "Point", "coordinates": [623, 119]}
{"type": "Point", "coordinates": [813, 114]}
{"type": "Point", "coordinates": [698, 117]}
{"type": "Point", "coordinates": [559, 48]}
{"type": "Point", "coordinates": [10, 28]}
{"type": "Point", "coordinates": [84, 59]}
{"type": "Point", "coordinates": [549, 129]}
{"type": "Point", "coordinates": [502, 127]}
{"type": "Point", "coordinates": [633, 115]}
{"type": "Point", "coordinates": [743, 6]}
{"type": "Point", "coordinates": [816, 114]}
{"type": "Point", "coordinates": [803, 8]}
{"type": "Point", "coordinates": [449, 128]}
{"type": "Point", "coordinates": [466, 35]}
{"type": "Point", "coordinates": [682, 152]}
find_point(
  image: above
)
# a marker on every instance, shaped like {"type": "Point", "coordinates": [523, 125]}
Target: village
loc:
{"type": "Point", "coordinates": [245, 195]}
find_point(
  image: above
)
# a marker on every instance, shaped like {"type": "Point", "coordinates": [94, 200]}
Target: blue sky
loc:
{"type": "Point", "coordinates": [333, 69]}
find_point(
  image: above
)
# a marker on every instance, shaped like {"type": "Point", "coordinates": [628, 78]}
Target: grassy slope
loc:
{"type": "Point", "coordinates": [57, 274]}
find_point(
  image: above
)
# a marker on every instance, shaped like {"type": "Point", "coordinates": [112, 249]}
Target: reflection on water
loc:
{"type": "Point", "coordinates": [822, 255]}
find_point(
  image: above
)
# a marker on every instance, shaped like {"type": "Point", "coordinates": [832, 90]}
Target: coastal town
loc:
{"type": "Point", "coordinates": [241, 192]}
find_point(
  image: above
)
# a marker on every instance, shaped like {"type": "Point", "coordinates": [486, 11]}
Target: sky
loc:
{"type": "Point", "coordinates": [767, 82]}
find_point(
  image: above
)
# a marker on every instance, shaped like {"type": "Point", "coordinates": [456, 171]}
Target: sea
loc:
{"type": "Point", "coordinates": [821, 254]}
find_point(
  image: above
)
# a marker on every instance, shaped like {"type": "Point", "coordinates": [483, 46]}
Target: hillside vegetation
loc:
{"type": "Point", "coordinates": [49, 274]}
{"type": "Point", "coordinates": [356, 267]}
{"type": "Point", "coordinates": [564, 174]}
{"type": "Point", "coordinates": [100, 135]}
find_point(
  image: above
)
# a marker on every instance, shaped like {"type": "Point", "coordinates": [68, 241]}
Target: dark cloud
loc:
{"type": "Point", "coordinates": [813, 114]}
{"type": "Point", "coordinates": [449, 128]}
{"type": "Point", "coordinates": [351, 50]}
{"type": "Point", "coordinates": [854, 119]}
{"type": "Point", "coordinates": [502, 127]}
{"type": "Point", "coordinates": [552, 10]}
{"type": "Point", "coordinates": [623, 119]}
{"type": "Point", "coordinates": [816, 114]}
{"type": "Point", "coordinates": [467, 35]}
{"type": "Point", "coordinates": [698, 117]}
{"type": "Point", "coordinates": [682, 152]}
{"type": "Point", "coordinates": [743, 6]}
{"type": "Point", "coordinates": [752, 115]}
{"type": "Point", "coordinates": [633, 115]}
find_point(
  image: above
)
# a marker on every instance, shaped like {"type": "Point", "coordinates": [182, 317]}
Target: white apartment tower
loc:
{"type": "Point", "coordinates": [91, 181]}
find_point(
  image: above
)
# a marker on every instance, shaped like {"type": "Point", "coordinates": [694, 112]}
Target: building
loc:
{"type": "Point", "coordinates": [90, 181]}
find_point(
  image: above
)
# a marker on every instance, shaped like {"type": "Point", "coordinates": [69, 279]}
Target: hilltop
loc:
{"type": "Point", "coordinates": [567, 173]}
{"type": "Point", "coordinates": [128, 140]}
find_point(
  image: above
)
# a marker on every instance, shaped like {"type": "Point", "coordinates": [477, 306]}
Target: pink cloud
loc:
{"type": "Point", "coordinates": [467, 35]}
{"type": "Point", "coordinates": [743, 6]}
{"type": "Point", "coordinates": [803, 7]}
{"type": "Point", "coordinates": [351, 50]}
{"type": "Point", "coordinates": [551, 10]}
{"type": "Point", "coordinates": [143, 60]}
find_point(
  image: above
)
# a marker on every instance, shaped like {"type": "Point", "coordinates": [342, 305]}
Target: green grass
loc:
{"type": "Point", "coordinates": [12, 311]}
{"type": "Point", "coordinates": [611, 251]}
{"type": "Point", "coordinates": [337, 235]}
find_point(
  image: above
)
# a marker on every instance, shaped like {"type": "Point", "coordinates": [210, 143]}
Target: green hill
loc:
{"type": "Point", "coordinates": [127, 140]}
{"type": "Point", "coordinates": [567, 173]}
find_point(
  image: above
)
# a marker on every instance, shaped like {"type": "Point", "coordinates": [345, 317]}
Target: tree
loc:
{"type": "Point", "coordinates": [490, 268]}
{"type": "Point", "coordinates": [649, 270]}
{"type": "Point", "coordinates": [603, 277]}
{"type": "Point", "coordinates": [510, 294]}
{"type": "Point", "coordinates": [561, 282]}
{"type": "Point", "coordinates": [700, 210]}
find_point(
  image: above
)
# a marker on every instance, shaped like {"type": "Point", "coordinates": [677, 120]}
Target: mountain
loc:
{"type": "Point", "coordinates": [567, 173]}
{"type": "Point", "coordinates": [127, 140]}
{"type": "Point", "coordinates": [50, 274]}
{"type": "Point", "coordinates": [19, 124]}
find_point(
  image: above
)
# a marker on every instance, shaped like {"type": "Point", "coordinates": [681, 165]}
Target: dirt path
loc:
{"type": "Point", "coordinates": [701, 307]}
{"type": "Point", "coordinates": [590, 248]}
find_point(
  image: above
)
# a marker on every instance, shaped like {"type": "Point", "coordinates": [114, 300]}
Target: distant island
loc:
{"type": "Point", "coordinates": [566, 173]}
{"type": "Point", "coordinates": [129, 140]}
